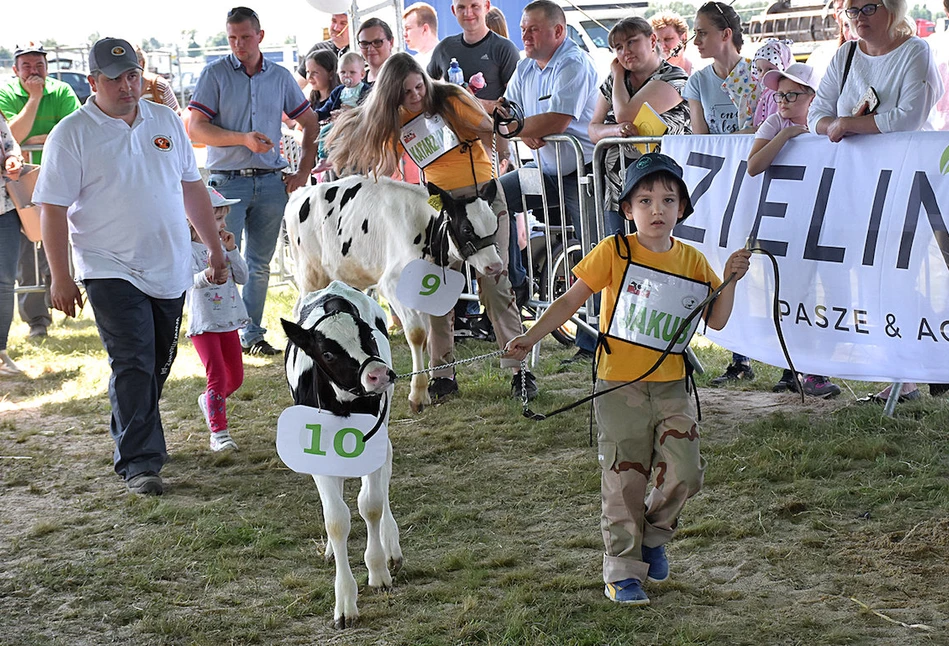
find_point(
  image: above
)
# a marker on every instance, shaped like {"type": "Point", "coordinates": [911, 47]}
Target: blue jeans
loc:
{"type": "Point", "coordinates": [9, 253]}
{"type": "Point", "coordinates": [512, 192]}
{"type": "Point", "coordinates": [515, 204]}
{"type": "Point", "coordinates": [255, 220]}
{"type": "Point", "coordinates": [140, 335]}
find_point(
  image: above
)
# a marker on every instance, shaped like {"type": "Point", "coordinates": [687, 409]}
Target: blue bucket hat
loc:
{"type": "Point", "coordinates": [654, 163]}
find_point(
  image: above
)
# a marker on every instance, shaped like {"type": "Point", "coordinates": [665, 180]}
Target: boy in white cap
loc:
{"type": "Point", "coordinates": [646, 424]}
{"type": "Point", "coordinates": [793, 90]}
{"type": "Point", "coordinates": [215, 314]}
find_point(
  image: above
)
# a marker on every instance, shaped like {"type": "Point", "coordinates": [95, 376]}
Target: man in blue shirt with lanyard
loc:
{"type": "Point", "coordinates": [556, 87]}
{"type": "Point", "coordinates": [236, 111]}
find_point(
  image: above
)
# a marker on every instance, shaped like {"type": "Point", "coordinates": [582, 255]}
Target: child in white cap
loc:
{"type": "Point", "coordinates": [793, 90]}
{"type": "Point", "coordinates": [215, 314]}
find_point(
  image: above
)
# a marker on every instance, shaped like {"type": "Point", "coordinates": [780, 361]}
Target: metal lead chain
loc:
{"type": "Point", "coordinates": [496, 353]}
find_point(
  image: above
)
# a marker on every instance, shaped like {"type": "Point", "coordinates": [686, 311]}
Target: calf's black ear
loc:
{"type": "Point", "coordinates": [488, 192]}
{"type": "Point", "coordinates": [296, 334]}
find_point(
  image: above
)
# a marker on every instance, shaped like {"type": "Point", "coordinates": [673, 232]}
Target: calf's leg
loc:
{"type": "Point", "coordinates": [336, 516]}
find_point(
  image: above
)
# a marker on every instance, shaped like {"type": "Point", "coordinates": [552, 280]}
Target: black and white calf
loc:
{"type": "Point", "coordinates": [364, 232]}
{"type": "Point", "coordinates": [338, 360]}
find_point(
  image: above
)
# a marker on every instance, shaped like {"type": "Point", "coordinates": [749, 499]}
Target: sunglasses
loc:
{"type": "Point", "coordinates": [789, 97]}
{"type": "Point", "coordinates": [376, 44]}
{"type": "Point", "coordinates": [866, 10]}
{"type": "Point", "coordinates": [242, 12]}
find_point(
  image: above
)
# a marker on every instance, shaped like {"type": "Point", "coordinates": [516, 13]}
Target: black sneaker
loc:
{"type": "Point", "coordinates": [786, 383]}
{"type": "Point", "coordinates": [441, 388]}
{"type": "Point", "coordinates": [530, 385]}
{"type": "Point", "coordinates": [145, 484]}
{"type": "Point", "coordinates": [580, 356]}
{"type": "Point", "coordinates": [522, 294]}
{"type": "Point", "coordinates": [261, 347]}
{"type": "Point", "coordinates": [820, 386]}
{"type": "Point", "coordinates": [734, 372]}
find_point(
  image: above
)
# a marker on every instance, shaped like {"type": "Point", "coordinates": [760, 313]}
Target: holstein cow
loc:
{"type": "Point", "coordinates": [364, 232]}
{"type": "Point", "coordinates": [338, 360]}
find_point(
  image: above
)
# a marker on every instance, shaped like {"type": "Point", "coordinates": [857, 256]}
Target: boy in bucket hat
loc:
{"type": "Point", "coordinates": [648, 425]}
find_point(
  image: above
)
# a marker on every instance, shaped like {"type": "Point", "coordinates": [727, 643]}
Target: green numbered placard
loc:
{"type": "Point", "coordinates": [429, 288]}
{"type": "Point", "coordinates": [310, 440]}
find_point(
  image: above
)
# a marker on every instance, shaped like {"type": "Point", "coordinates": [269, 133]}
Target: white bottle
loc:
{"type": "Point", "coordinates": [455, 74]}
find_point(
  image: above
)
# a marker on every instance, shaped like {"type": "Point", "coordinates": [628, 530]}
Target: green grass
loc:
{"type": "Point", "coordinates": [804, 507]}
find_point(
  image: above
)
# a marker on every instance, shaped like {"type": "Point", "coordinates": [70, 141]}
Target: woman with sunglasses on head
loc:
{"type": "Point", "coordinates": [713, 108]}
{"type": "Point", "coordinates": [367, 140]}
{"type": "Point", "coordinates": [887, 60]}
{"type": "Point", "coordinates": [894, 67]}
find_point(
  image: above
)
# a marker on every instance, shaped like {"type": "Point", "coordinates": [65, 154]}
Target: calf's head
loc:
{"type": "Point", "coordinates": [343, 350]}
{"type": "Point", "coordinates": [472, 225]}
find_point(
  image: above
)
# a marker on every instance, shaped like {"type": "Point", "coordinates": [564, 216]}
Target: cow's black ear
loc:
{"type": "Point", "coordinates": [295, 334]}
{"type": "Point", "coordinates": [337, 304]}
{"type": "Point", "coordinates": [432, 189]}
{"type": "Point", "coordinates": [488, 192]}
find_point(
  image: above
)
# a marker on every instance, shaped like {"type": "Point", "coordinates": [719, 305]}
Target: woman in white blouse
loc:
{"type": "Point", "coordinates": [888, 60]}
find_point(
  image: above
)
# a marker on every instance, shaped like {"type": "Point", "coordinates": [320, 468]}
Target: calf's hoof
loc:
{"type": "Point", "coordinates": [344, 621]}
{"type": "Point", "coordinates": [395, 564]}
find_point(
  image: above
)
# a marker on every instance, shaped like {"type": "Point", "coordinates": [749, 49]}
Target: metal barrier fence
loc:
{"type": "Point", "coordinates": [553, 246]}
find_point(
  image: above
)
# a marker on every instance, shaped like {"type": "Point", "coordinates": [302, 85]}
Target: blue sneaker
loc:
{"type": "Point", "coordinates": [628, 591]}
{"type": "Point", "coordinates": [655, 557]}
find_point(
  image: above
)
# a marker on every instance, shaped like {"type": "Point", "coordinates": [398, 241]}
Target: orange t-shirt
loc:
{"type": "Point", "coordinates": [603, 269]}
{"type": "Point", "coordinates": [453, 169]}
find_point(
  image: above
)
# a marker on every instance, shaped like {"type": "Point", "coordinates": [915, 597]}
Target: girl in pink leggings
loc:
{"type": "Point", "coordinates": [215, 314]}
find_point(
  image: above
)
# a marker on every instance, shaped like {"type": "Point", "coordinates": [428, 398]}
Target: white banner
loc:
{"type": "Point", "coordinates": [859, 229]}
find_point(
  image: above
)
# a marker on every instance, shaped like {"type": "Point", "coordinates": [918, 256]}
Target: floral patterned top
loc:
{"type": "Point", "coordinates": [743, 89]}
{"type": "Point", "coordinates": [677, 118]}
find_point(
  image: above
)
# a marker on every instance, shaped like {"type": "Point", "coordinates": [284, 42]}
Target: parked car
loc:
{"type": "Point", "coordinates": [183, 86]}
{"type": "Point", "coordinates": [77, 81]}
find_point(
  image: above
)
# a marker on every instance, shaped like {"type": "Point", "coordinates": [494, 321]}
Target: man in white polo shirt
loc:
{"type": "Point", "coordinates": [119, 174]}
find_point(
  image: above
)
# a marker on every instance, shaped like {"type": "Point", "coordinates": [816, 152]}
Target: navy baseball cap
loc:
{"type": "Point", "coordinates": [112, 57]}
{"type": "Point", "coordinates": [654, 163]}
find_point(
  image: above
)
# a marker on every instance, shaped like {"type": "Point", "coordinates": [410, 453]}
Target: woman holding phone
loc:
{"type": "Point", "coordinates": [886, 81]}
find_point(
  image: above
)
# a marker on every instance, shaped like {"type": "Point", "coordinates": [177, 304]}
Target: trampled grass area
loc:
{"type": "Point", "coordinates": [824, 523]}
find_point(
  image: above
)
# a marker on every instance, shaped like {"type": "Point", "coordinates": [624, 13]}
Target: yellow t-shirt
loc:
{"type": "Point", "coordinates": [603, 269]}
{"type": "Point", "coordinates": [453, 169]}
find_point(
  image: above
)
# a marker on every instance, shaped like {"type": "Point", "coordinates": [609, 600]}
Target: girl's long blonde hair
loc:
{"type": "Point", "coordinates": [365, 139]}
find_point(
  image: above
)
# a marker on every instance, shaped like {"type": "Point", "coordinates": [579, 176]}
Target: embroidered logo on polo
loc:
{"type": "Point", "coordinates": [162, 143]}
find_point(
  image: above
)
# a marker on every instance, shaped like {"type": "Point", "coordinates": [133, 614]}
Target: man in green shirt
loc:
{"type": "Point", "coordinates": [33, 103]}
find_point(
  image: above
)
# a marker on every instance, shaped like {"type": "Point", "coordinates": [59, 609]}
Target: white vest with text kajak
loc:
{"type": "Point", "coordinates": [428, 137]}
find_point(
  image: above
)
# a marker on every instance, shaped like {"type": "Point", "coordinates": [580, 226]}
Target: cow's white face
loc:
{"type": "Point", "coordinates": [476, 221]}
{"type": "Point", "coordinates": [341, 348]}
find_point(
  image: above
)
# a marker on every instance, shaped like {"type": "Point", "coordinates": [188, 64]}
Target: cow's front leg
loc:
{"type": "Point", "coordinates": [370, 508]}
{"type": "Point", "coordinates": [389, 531]}
{"type": "Point", "coordinates": [336, 516]}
